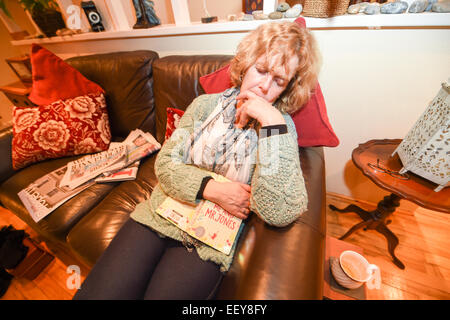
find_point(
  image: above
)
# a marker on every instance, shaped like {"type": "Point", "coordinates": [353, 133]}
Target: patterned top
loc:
{"type": "Point", "coordinates": [278, 193]}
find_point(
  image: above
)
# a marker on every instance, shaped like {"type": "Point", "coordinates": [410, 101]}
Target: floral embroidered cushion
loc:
{"type": "Point", "coordinates": [173, 118]}
{"type": "Point", "coordinates": [75, 123]}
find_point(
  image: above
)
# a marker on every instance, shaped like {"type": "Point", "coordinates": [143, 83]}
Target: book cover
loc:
{"type": "Point", "coordinates": [206, 222]}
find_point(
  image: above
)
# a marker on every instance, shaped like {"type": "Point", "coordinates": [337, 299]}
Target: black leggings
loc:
{"type": "Point", "coordinates": [138, 264]}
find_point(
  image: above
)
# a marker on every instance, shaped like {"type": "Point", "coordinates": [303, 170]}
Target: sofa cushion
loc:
{"type": "Point", "coordinates": [90, 237]}
{"type": "Point", "coordinates": [127, 80]}
{"type": "Point", "coordinates": [177, 83]}
{"type": "Point", "coordinates": [54, 79]}
{"type": "Point", "coordinates": [62, 128]}
{"type": "Point", "coordinates": [173, 118]}
{"type": "Point", "coordinates": [57, 224]}
{"type": "Point", "coordinates": [71, 118]}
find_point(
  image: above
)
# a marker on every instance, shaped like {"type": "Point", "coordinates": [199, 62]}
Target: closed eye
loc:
{"type": "Point", "coordinates": [261, 71]}
{"type": "Point", "coordinates": [280, 82]}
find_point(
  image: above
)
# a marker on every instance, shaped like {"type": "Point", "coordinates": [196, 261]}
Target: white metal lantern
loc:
{"type": "Point", "coordinates": [425, 150]}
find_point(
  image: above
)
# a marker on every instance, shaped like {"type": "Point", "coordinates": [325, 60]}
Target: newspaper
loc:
{"type": "Point", "coordinates": [45, 194]}
{"type": "Point", "coordinates": [137, 145]}
{"type": "Point", "coordinates": [49, 192]}
{"type": "Point", "coordinates": [125, 174]}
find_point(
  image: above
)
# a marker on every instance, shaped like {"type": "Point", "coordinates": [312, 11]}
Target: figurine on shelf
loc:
{"type": "Point", "coordinates": [208, 18]}
{"type": "Point", "coordinates": [145, 14]}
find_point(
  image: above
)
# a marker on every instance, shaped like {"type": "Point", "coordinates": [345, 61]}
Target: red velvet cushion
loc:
{"type": "Point", "coordinates": [54, 79]}
{"type": "Point", "coordinates": [173, 118]}
{"type": "Point", "coordinates": [218, 81]}
{"type": "Point", "coordinates": [71, 118]}
{"type": "Point", "coordinates": [311, 121]}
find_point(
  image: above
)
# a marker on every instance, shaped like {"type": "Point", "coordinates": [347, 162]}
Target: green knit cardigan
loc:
{"type": "Point", "coordinates": [278, 189]}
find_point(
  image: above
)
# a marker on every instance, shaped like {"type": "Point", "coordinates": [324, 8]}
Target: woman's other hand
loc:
{"type": "Point", "coordinates": [255, 107]}
{"type": "Point", "coordinates": [234, 197]}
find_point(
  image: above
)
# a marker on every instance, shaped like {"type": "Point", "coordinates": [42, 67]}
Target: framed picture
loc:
{"type": "Point", "coordinates": [22, 68]}
{"type": "Point", "coordinates": [252, 5]}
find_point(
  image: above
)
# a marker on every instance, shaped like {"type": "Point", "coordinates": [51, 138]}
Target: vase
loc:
{"type": "Point", "coordinates": [49, 21]}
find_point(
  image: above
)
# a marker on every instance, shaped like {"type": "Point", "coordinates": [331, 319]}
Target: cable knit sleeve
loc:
{"type": "Point", "coordinates": [278, 189]}
{"type": "Point", "coordinates": [177, 179]}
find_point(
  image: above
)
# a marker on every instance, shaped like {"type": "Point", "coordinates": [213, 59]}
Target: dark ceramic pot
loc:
{"type": "Point", "coordinates": [49, 21]}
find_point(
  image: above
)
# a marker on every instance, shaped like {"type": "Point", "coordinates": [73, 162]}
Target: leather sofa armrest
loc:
{"type": "Point", "coordinates": [284, 263]}
{"type": "Point", "coordinates": [6, 169]}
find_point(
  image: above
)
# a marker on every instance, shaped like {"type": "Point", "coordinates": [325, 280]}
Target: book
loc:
{"type": "Point", "coordinates": [206, 222]}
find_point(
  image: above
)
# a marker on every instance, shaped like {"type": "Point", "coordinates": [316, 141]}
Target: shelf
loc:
{"type": "Point", "coordinates": [359, 21]}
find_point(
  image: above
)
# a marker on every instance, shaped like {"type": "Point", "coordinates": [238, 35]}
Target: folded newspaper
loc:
{"type": "Point", "coordinates": [137, 145]}
{"type": "Point", "coordinates": [45, 194]}
{"type": "Point", "coordinates": [49, 192]}
{"type": "Point", "coordinates": [125, 174]}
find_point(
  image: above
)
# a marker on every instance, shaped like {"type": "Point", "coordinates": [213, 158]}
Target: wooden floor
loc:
{"type": "Point", "coordinates": [424, 242]}
{"type": "Point", "coordinates": [50, 284]}
{"type": "Point", "coordinates": [424, 248]}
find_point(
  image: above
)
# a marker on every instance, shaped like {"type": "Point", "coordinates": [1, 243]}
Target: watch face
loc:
{"type": "Point", "coordinates": [21, 69]}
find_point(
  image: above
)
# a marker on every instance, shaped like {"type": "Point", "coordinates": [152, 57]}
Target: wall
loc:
{"type": "Point", "coordinates": [7, 51]}
{"type": "Point", "coordinates": [219, 8]}
{"type": "Point", "coordinates": [376, 84]}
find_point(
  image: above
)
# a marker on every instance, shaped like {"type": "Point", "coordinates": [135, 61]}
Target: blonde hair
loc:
{"type": "Point", "coordinates": [281, 40]}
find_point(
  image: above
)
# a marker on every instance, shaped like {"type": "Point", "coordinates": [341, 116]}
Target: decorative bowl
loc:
{"type": "Point", "coordinates": [341, 277]}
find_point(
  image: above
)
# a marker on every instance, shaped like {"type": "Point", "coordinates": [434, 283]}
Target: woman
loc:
{"type": "Point", "coordinates": [244, 134]}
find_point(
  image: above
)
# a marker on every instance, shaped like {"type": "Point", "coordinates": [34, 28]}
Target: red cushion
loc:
{"type": "Point", "coordinates": [63, 128]}
{"type": "Point", "coordinates": [173, 118]}
{"type": "Point", "coordinates": [217, 81]}
{"type": "Point", "coordinates": [71, 118]}
{"type": "Point", "coordinates": [54, 79]}
{"type": "Point", "coordinates": [311, 121]}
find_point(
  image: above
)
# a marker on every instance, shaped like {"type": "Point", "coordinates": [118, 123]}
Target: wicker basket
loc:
{"type": "Point", "coordinates": [324, 8]}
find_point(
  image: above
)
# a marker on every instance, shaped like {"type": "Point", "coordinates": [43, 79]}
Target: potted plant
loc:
{"type": "Point", "coordinates": [4, 8]}
{"type": "Point", "coordinates": [45, 13]}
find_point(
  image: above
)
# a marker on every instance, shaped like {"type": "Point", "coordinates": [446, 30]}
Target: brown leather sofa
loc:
{"type": "Point", "coordinates": [270, 263]}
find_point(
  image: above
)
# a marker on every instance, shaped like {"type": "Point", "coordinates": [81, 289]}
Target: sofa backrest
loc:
{"type": "Point", "coordinates": [127, 80]}
{"type": "Point", "coordinates": [176, 83]}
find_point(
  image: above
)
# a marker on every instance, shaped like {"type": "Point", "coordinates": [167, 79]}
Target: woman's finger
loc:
{"type": "Point", "coordinates": [246, 187]}
{"type": "Point", "coordinates": [246, 95]}
{"type": "Point", "coordinates": [240, 215]}
{"type": "Point", "coordinates": [238, 116]}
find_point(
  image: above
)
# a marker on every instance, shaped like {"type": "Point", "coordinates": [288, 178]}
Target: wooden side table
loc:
{"type": "Point", "coordinates": [17, 93]}
{"type": "Point", "coordinates": [416, 189]}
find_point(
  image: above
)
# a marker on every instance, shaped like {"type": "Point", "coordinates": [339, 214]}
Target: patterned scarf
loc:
{"type": "Point", "coordinates": [218, 146]}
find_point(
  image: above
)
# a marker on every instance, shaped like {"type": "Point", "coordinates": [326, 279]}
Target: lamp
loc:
{"type": "Point", "coordinates": [425, 150]}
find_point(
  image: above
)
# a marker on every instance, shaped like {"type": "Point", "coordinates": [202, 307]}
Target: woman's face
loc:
{"type": "Point", "coordinates": [268, 82]}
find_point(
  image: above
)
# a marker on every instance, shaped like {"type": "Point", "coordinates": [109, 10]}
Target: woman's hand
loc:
{"type": "Point", "coordinates": [253, 106]}
{"type": "Point", "coordinates": [234, 197]}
